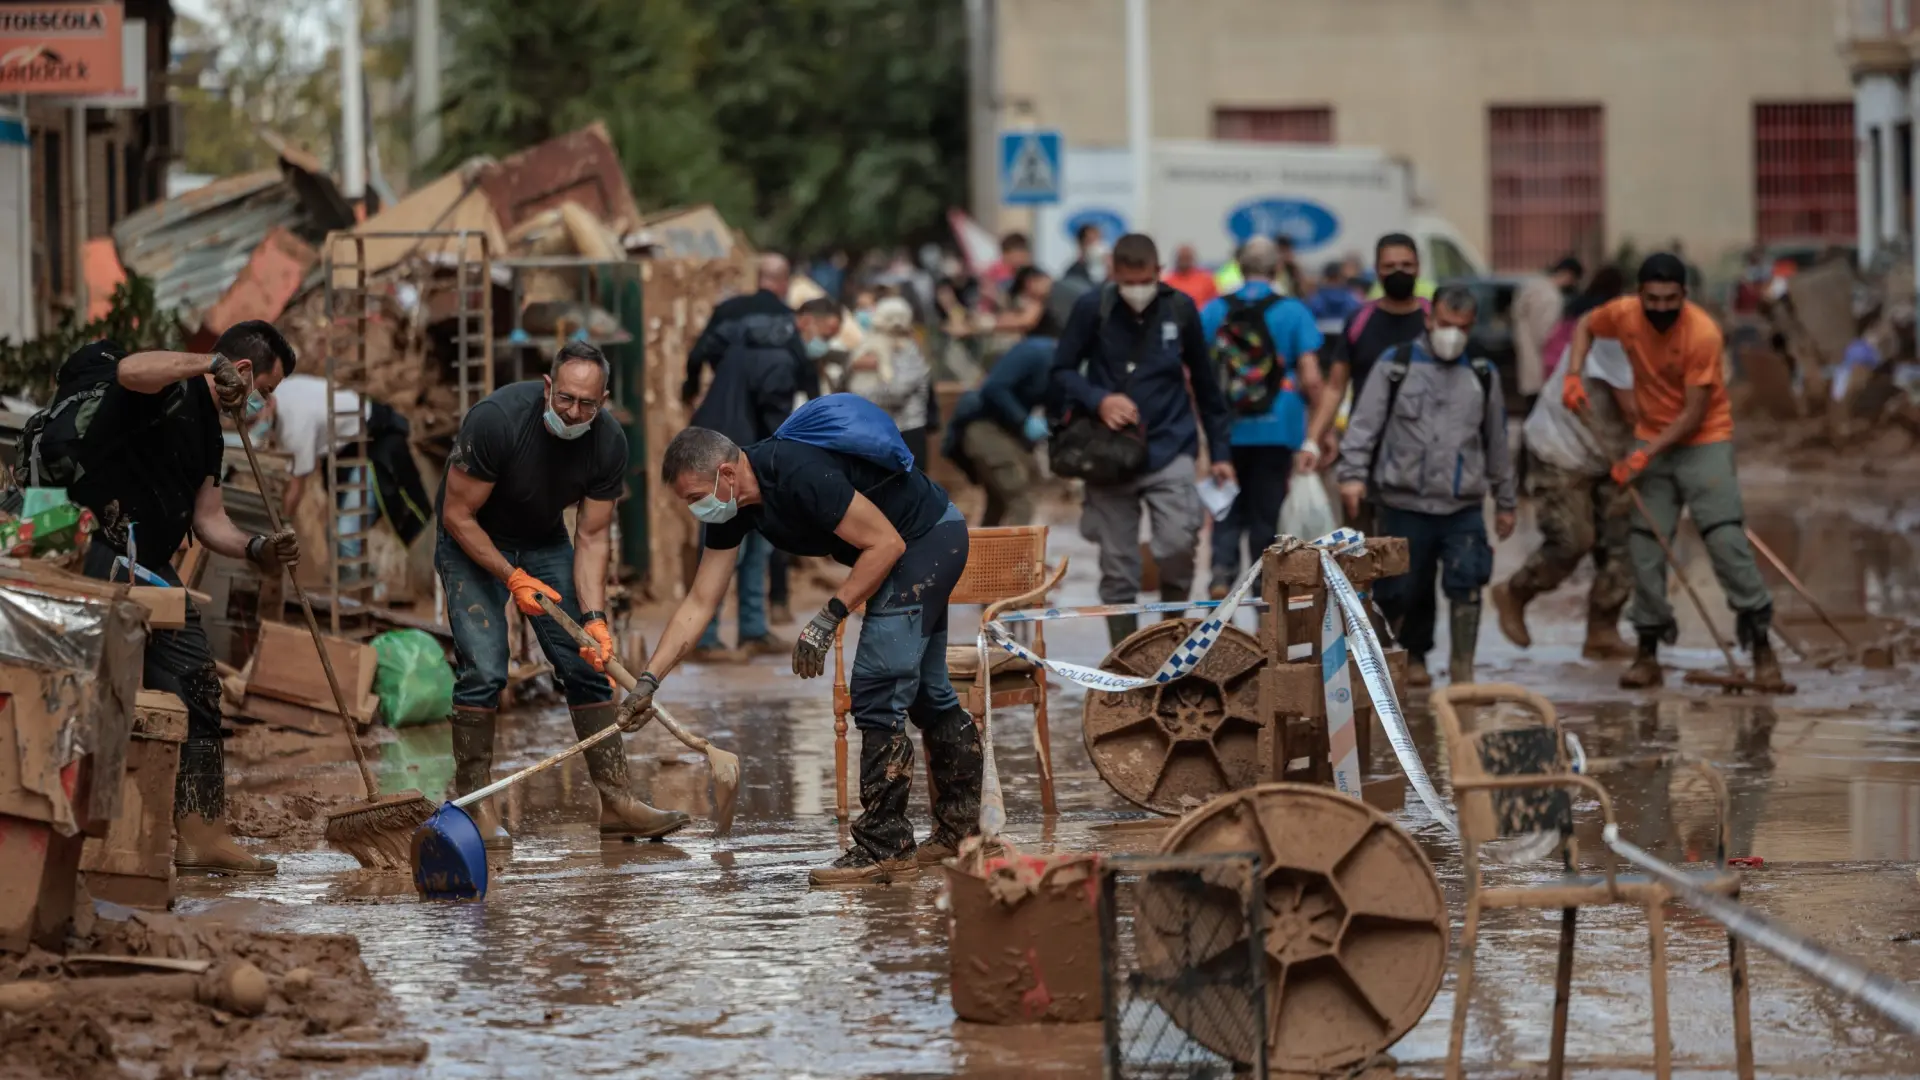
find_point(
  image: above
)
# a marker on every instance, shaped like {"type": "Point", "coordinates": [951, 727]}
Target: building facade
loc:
{"type": "Point", "coordinates": [1880, 41]}
{"type": "Point", "coordinates": [1535, 126]}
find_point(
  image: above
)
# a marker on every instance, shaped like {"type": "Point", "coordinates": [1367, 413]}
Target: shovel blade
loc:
{"type": "Point", "coordinates": [449, 857]}
{"type": "Point", "coordinates": [726, 788]}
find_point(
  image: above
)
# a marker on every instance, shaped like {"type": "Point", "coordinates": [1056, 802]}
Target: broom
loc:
{"type": "Point", "coordinates": [377, 832]}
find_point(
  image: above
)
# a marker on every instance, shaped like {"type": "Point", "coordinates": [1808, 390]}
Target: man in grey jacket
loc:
{"type": "Point", "coordinates": [1429, 439]}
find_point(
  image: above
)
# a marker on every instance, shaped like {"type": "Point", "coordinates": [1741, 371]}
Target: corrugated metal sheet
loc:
{"type": "Point", "coordinates": [193, 247]}
{"type": "Point", "coordinates": [580, 166]}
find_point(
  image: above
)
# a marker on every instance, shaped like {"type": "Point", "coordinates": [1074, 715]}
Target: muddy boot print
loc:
{"type": "Point", "coordinates": [473, 769]}
{"type": "Point", "coordinates": [882, 850]}
{"type": "Point", "coordinates": [620, 813]}
{"type": "Point", "coordinates": [956, 765]}
{"type": "Point", "coordinates": [202, 841]}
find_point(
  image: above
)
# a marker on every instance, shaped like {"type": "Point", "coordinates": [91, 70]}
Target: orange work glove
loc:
{"type": "Point", "coordinates": [1629, 467]}
{"type": "Point", "coordinates": [1573, 394]}
{"type": "Point", "coordinates": [525, 587]}
{"type": "Point", "coordinates": [601, 650]}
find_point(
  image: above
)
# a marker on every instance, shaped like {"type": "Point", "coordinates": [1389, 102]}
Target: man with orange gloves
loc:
{"type": "Point", "coordinates": [1683, 457]}
{"type": "Point", "coordinates": [523, 456]}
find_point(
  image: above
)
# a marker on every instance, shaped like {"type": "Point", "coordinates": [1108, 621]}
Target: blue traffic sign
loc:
{"type": "Point", "coordinates": [1029, 168]}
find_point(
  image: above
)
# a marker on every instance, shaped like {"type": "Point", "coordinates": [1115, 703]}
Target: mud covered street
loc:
{"type": "Point", "coordinates": [699, 957]}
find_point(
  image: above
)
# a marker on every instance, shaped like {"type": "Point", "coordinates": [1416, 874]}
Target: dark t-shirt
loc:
{"type": "Point", "coordinates": [535, 475]}
{"type": "Point", "coordinates": [805, 492]}
{"type": "Point", "coordinates": [1383, 331]}
{"type": "Point", "coordinates": [146, 456]}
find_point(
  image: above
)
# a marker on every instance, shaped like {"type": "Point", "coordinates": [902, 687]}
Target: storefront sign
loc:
{"type": "Point", "coordinates": [60, 49]}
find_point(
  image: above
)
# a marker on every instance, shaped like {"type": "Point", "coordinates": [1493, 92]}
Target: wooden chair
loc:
{"type": "Point", "coordinates": [1513, 781]}
{"type": "Point", "coordinates": [1006, 571]}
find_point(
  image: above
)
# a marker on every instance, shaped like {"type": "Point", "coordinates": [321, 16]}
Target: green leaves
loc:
{"type": "Point", "coordinates": [813, 124]}
{"type": "Point", "coordinates": [134, 320]}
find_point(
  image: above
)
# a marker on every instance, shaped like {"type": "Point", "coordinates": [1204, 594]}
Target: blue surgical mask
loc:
{"type": "Point", "coordinates": [864, 319]}
{"type": "Point", "coordinates": [818, 347]}
{"type": "Point", "coordinates": [259, 432]}
{"type": "Point", "coordinates": [255, 403]}
{"type": "Point", "coordinates": [563, 430]}
{"type": "Point", "coordinates": [710, 509]}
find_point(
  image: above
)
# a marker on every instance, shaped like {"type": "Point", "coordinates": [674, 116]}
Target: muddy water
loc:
{"type": "Point", "coordinates": [701, 957]}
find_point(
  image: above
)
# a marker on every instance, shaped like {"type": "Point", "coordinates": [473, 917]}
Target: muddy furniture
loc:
{"type": "Point", "coordinates": [1514, 781]}
{"type": "Point", "coordinates": [133, 863]}
{"type": "Point", "coordinates": [1006, 570]}
{"type": "Point", "coordinates": [1254, 710]}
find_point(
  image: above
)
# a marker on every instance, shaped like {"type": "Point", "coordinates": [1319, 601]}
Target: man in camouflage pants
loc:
{"type": "Point", "coordinates": [1579, 509]}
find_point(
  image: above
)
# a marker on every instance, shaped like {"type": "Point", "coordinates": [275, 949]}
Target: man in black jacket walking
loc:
{"type": "Point", "coordinates": [759, 365]}
{"type": "Point", "coordinates": [1128, 354]}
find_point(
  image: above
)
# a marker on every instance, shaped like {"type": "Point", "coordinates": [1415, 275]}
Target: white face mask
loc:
{"type": "Point", "coordinates": [1139, 296]}
{"type": "Point", "coordinates": [1096, 258]}
{"type": "Point", "coordinates": [1447, 342]}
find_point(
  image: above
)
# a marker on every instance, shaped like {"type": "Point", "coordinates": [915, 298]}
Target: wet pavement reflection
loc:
{"type": "Point", "coordinates": [706, 957]}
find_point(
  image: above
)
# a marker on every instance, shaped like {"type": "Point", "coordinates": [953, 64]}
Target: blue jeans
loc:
{"type": "Point", "coordinates": [751, 588]}
{"type": "Point", "coordinates": [477, 611]}
{"type": "Point", "coordinates": [900, 666]}
{"type": "Point", "coordinates": [1452, 548]}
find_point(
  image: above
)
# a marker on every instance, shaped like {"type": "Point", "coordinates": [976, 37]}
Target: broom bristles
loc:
{"type": "Point", "coordinates": [379, 834]}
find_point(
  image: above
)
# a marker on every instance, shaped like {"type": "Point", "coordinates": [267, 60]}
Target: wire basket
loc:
{"type": "Point", "coordinates": [1183, 966]}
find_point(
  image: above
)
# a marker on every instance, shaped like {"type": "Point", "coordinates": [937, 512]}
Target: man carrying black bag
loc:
{"type": "Point", "coordinates": [1131, 365]}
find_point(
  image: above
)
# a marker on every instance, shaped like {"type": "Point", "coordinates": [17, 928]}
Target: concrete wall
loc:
{"type": "Point", "coordinates": [1678, 81]}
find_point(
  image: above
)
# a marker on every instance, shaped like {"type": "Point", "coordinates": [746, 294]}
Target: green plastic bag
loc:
{"type": "Point", "coordinates": [413, 678]}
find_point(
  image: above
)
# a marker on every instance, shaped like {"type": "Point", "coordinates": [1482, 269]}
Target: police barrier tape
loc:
{"type": "Point", "coordinates": [1187, 655]}
{"type": "Point", "coordinates": [1889, 997]}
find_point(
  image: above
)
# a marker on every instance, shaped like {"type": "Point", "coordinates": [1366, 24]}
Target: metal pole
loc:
{"type": "Point", "coordinates": [1139, 102]}
{"type": "Point", "coordinates": [353, 138]}
{"type": "Point", "coordinates": [29, 316]}
{"type": "Point", "coordinates": [77, 136]}
{"type": "Point", "coordinates": [426, 83]}
{"type": "Point", "coordinates": [983, 119]}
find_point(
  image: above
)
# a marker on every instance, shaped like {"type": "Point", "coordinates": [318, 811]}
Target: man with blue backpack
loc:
{"type": "Point", "coordinates": [1265, 347]}
{"type": "Point", "coordinates": [837, 480]}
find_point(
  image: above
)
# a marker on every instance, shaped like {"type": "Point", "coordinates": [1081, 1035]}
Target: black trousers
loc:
{"type": "Point", "coordinates": [1262, 472]}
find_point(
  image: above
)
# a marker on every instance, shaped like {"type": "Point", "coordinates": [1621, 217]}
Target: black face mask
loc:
{"type": "Point", "coordinates": [1661, 320]}
{"type": "Point", "coordinates": [1397, 285]}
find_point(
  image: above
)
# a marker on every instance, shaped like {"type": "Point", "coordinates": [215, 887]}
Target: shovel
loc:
{"type": "Point", "coordinates": [724, 766]}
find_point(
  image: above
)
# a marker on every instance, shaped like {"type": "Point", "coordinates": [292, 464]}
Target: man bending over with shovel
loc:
{"type": "Point", "coordinates": [523, 456]}
{"type": "Point", "coordinates": [907, 544]}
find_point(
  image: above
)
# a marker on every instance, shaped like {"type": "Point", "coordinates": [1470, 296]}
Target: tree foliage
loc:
{"type": "Point", "coordinates": [134, 319]}
{"type": "Point", "coordinates": [811, 123]}
{"type": "Point", "coordinates": [251, 65]}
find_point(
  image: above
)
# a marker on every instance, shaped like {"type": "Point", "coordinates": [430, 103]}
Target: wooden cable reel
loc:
{"type": "Point", "coordinates": [1356, 937]}
{"type": "Point", "coordinates": [1175, 746]}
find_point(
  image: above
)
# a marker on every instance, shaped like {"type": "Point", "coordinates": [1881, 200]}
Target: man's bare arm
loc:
{"type": "Point", "coordinates": [465, 496]}
{"type": "Point", "coordinates": [212, 525]}
{"type": "Point", "coordinates": [695, 611]}
{"type": "Point", "coordinates": [866, 528]}
{"type": "Point", "coordinates": [592, 548]}
{"type": "Point", "coordinates": [1327, 407]}
{"type": "Point", "coordinates": [152, 372]}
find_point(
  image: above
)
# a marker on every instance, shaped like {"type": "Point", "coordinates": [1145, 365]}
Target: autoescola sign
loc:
{"type": "Point", "coordinates": [60, 48]}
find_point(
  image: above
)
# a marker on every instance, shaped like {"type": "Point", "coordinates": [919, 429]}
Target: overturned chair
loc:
{"type": "Point", "coordinates": [1006, 571]}
{"type": "Point", "coordinates": [1510, 782]}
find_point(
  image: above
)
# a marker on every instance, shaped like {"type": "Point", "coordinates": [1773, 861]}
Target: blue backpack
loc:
{"type": "Point", "coordinates": [849, 424]}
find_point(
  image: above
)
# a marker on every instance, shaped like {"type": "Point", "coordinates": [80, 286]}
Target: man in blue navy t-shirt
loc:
{"type": "Point", "coordinates": [1265, 446]}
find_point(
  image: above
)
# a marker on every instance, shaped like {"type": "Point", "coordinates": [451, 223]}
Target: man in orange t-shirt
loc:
{"type": "Point", "coordinates": [1189, 278]}
{"type": "Point", "coordinates": [1683, 430]}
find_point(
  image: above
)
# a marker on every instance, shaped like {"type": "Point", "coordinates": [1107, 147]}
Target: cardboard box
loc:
{"type": "Point", "coordinates": [288, 669]}
{"type": "Point", "coordinates": [133, 863]}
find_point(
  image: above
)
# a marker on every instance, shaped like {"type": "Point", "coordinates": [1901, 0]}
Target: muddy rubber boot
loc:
{"type": "Point", "coordinates": [472, 731]}
{"type": "Point", "coordinates": [882, 850]}
{"type": "Point", "coordinates": [620, 813]}
{"type": "Point", "coordinates": [779, 614]}
{"type": "Point", "coordinates": [202, 841]}
{"type": "Point", "coordinates": [956, 763]}
{"type": "Point", "coordinates": [1604, 640]}
{"type": "Point", "coordinates": [1120, 628]}
{"type": "Point", "coordinates": [1463, 624]}
{"type": "Point", "coordinates": [1645, 671]}
{"type": "Point", "coordinates": [767, 645]}
{"type": "Point", "coordinates": [1752, 629]}
{"type": "Point", "coordinates": [1418, 678]}
{"type": "Point", "coordinates": [1510, 604]}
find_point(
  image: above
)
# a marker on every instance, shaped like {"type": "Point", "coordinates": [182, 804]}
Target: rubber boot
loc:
{"type": "Point", "coordinates": [882, 850]}
{"type": "Point", "coordinates": [1752, 628]}
{"type": "Point", "coordinates": [1645, 671]}
{"type": "Point", "coordinates": [1463, 623]}
{"type": "Point", "coordinates": [473, 770]}
{"type": "Point", "coordinates": [620, 813]}
{"type": "Point", "coordinates": [956, 763]}
{"type": "Point", "coordinates": [1510, 604]}
{"type": "Point", "coordinates": [202, 841]}
{"type": "Point", "coordinates": [1418, 678]}
{"type": "Point", "coordinates": [1604, 640]}
{"type": "Point", "coordinates": [1120, 628]}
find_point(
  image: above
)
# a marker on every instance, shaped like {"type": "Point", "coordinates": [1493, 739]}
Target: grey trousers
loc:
{"type": "Point", "coordinates": [1111, 519]}
{"type": "Point", "coordinates": [1700, 478]}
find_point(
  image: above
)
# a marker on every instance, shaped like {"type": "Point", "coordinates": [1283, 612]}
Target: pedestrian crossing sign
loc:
{"type": "Point", "coordinates": [1029, 168]}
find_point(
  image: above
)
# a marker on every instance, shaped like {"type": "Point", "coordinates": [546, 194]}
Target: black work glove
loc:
{"type": "Point", "coordinates": [230, 387]}
{"type": "Point", "coordinates": [810, 652]}
{"type": "Point", "coordinates": [271, 553]}
{"type": "Point", "coordinates": [638, 707]}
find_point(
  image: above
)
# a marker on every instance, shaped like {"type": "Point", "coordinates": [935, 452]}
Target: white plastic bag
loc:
{"type": "Point", "coordinates": [1307, 513]}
